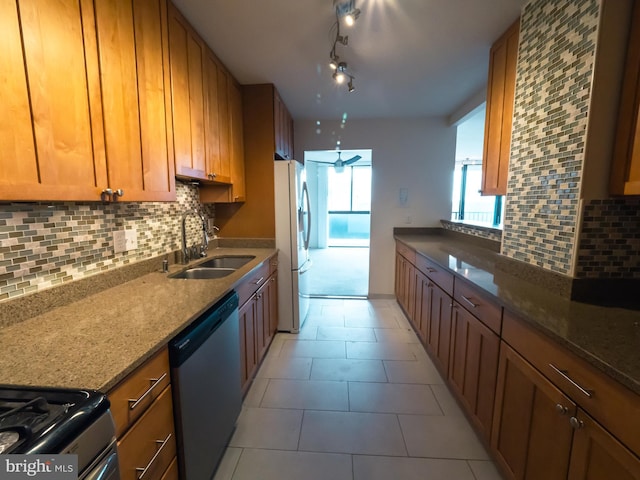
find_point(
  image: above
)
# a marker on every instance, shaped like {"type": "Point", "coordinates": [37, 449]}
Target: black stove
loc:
{"type": "Point", "coordinates": [45, 420]}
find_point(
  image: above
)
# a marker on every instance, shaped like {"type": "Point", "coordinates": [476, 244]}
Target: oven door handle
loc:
{"type": "Point", "coordinates": [105, 469]}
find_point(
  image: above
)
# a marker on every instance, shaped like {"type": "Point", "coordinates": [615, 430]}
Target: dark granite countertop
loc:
{"type": "Point", "coordinates": [96, 341]}
{"type": "Point", "coordinates": [607, 337]}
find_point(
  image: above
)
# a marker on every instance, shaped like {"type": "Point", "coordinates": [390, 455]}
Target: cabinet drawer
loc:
{"type": "Point", "coordinates": [407, 252]}
{"type": "Point", "coordinates": [150, 445]}
{"type": "Point", "coordinates": [253, 281]}
{"type": "Point", "coordinates": [479, 305]}
{"type": "Point", "coordinates": [131, 397]}
{"type": "Point", "coordinates": [435, 272]}
{"type": "Point", "coordinates": [611, 404]}
{"type": "Point", "coordinates": [172, 472]}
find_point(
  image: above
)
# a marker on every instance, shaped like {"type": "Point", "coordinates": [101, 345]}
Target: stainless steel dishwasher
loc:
{"type": "Point", "coordinates": [205, 377]}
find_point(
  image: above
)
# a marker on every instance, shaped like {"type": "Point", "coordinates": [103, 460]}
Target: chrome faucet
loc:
{"type": "Point", "coordinates": [189, 253]}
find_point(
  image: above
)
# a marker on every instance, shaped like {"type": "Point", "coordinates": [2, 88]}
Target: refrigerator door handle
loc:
{"type": "Point", "coordinates": [305, 194]}
{"type": "Point", "coordinates": [306, 267]}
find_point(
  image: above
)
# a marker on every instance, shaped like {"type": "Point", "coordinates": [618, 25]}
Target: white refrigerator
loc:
{"type": "Point", "coordinates": [292, 240]}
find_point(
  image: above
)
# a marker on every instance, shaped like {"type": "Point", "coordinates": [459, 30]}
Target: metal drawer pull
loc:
{"type": "Point", "coordinates": [154, 383]}
{"type": "Point", "coordinates": [565, 374]}
{"type": "Point", "coordinates": [259, 281]}
{"type": "Point", "coordinates": [143, 471]}
{"type": "Point", "coordinates": [473, 305]}
{"type": "Point", "coordinates": [431, 270]}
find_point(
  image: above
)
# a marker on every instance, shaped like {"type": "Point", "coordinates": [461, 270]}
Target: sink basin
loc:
{"type": "Point", "coordinates": [198, 273]}
{"type": "Point", "coordinates": [227, 261]}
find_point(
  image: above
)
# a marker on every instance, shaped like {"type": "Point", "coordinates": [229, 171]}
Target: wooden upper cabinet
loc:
{"type": "Point", "coordinates": [187, 54]}
{"type": "Point", "coordinates": [625, 169]}
{"type": "Point", "coordinates": [216, 125]}
{"type": "Point", "coordinates": [236, 142]}
{"type": "Point", "coordinates": [500, 99]}
{"type": "Point", "coordinates": [132, 36]}
{"type": "Point", "coordinates": [283, 125]}
{"type": "Point", "coordinates": [48, 150]}
{"type": "Point", "coordinates": [84, 108]}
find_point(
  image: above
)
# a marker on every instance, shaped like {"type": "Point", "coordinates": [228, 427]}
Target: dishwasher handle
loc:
{"type": "Point", "coordinates": [188, 341]}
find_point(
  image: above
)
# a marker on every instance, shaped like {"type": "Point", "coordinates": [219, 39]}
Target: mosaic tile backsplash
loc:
{"type": "Point", "coordinates": [610, 239]}
{"type": "Point", "coordinates": [489, 233]}
{"type": "Point", "coordinates": [43, 245]}
{"type": "Point", "coordinates": [554, 73]}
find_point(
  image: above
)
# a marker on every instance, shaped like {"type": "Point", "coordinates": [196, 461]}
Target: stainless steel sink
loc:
{"type": "Point", "coordinates": [198, 273]}
{"type": "Point", "coordinates": [227, 261]}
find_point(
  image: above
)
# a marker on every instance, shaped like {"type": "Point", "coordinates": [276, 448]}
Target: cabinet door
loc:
{"type": "Point", "coordinates": [500, 99]}
{"type": "Point", "coordinates": [273, 305]}
{"type": "Point", "coordinates": [217, 168]}
{"type": "Point", "coordinates": [416, 321]}
{"type": "Point", "coordinates": [440, 328]}
{"type": "Point", "coordinates": [426, 300]}
{"type": "Point", "coordinates": [399, 281]}
{"type": "Point", "coordinates": [262, 317]}
{"type": "Point", "coordinates": [237, 142]}
{"type": "Point", "coordinates": [625, 168]}
{"type": "Point", "coordinates": [131, 40]}
{"type": "Point", "coordinates": [531, 433]}
{"type": "Point", "coordinates": [473, 365]}
{"type": "Point", "coordinates": [248, 354]}
{"type": "Point", "coordinates": [598, 455]}
{"type": "Point", "coordinates": [187, 86]}
{"type": "Point", "coordinates": [49, 99]}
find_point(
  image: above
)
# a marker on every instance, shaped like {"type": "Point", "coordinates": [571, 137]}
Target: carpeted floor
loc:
{"type": "Point", "coordinates": [339, 271]}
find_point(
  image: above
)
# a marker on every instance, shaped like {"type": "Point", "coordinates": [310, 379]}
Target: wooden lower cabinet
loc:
{"type": "Point", "coordinates": [540, 433]}
{"type": "Point", "coordinates": [248, 354]}
{"type": "Point", "coordinates": [439, 327]}
{"type": "Point", "coordinates": [596, 454]}
{"type": "Point", "coordinates": [473, 365]}
{"type": "Point", "coordinates": [531, 432]}
{"type": "Point", "coordinates": [258, 317]}
{"type": "Point", "coordinates": [142, 409]}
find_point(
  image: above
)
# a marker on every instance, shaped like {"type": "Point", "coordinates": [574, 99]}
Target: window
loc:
{"type": "Point", "coordinates": [349, 205]}
{"type": "Point", "coordinates": [468, 205]}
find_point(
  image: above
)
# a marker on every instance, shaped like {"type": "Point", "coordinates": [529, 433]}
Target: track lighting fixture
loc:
{"type": "Point", "coordinates": [346, 10]}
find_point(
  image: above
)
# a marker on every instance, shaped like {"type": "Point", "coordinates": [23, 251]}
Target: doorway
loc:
{"type": "Point", "coordinates": [340, 190]}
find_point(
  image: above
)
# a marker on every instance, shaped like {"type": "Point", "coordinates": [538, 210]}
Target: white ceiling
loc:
{"type": "Point", "coordinates": [410, 58]}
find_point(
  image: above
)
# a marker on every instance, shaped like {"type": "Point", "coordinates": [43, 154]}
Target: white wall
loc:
{"type": "Point", "coordinates": [416, 154]}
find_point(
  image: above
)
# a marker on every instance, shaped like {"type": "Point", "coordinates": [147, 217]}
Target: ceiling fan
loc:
{"type": "Point", "coordinates": [339, 164]}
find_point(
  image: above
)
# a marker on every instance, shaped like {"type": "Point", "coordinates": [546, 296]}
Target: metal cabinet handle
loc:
{"type": "Point", "coordinates": [561, 409]}
{"type": "Point", "coordinates": [118, 193]}
{"type": "Point", "coordinates": [143, 471]}
{"type": "Point", "coordinates": [134, 402]}
{"type": "Point", "coordinates": [431, 270]}
{"type": "Point", "coordinates": [576, 423]}
{"type": "Point", "coordinates": [259, 281]}
{"type": "Point", "coordinates": [473, 305]}
{"type": "Point", "coordinates": [565, 374]}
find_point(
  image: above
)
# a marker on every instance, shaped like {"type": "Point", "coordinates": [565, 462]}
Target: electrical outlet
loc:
{"type": "Point", "coordinates": [119, 241]}
{"type": "Point", "coordinates": [131, 239]}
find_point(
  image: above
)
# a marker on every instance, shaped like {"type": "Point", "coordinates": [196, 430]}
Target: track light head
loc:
{"type": "Point", "coordinates": [350, 85]}
{"type": "Point", "coordinates": [351, 17]}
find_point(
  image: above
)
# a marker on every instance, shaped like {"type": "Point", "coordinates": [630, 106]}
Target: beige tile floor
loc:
{"type": "Point", "coordinates": [352, 397]}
